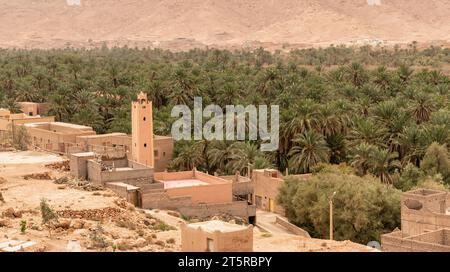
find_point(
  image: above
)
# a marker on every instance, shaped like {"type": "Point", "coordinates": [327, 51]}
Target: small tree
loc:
{"type": "Point", "coordinates": [98, 239]}
{"type": "Point", "coordinates": [23, 226]}
{"type": "Point", "coordinates": [21, 139]}
{"type": "Point", "coordinates": [49, 217]}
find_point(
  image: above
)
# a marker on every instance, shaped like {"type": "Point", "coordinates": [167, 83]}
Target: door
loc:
{"type": "Point", "coordinates": [271, 205]}
{"type": "Point", "coordinates": [209, 245]}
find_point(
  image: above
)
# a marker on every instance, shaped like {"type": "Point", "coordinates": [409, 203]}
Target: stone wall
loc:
{"type": "Point", "coordinates": [133, 176]}
{"type": "Point", "coordinates": [236, 208]}
{"type": "Point", "coordinates": [291, 227]}
{"type": "Point", "coordinates": [427, 242]}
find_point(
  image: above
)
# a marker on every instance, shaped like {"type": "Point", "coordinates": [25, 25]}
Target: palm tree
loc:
{"type": "Point", "coordinates": [188, 157]}
{"type": "Point", "coordinates": [404, 73]}
{"type": "Point", "coordinates": [85, 100]}
{"type": "Point", "coordinates": [219, 154]}
{"type": "Point", "coordinates": [422, 109]}
{"type": "Point", "coordinates": [360, 158]}
{"type": "Point", "coordinates": [383, 163]}
{"type": "Point", "coordinates": [243, 156]}
{"type": "Point", "coordinates": [329, 122]}
{"type": "Point", "coordinates": [310, 149]}
{"type": "Point", "coordinates": [356, 74]}
{"type": "Point", "coordinates": [11, 105]}
{"type": "Point", "coordinates": [365, 130]}
{"type": "Point", "coordinates": [412, 146]}
{"type": "Point", "coordinates": [305, 119]}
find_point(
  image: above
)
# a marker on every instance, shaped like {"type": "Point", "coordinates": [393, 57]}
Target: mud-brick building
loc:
{"type": "Point", "coordinates": [425, 223]}
{"type": "Point", "coordinates": [216, 236]}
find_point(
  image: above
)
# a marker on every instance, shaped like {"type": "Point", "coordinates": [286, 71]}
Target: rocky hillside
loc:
{"type": "Point", "coordinates": [233, 23]}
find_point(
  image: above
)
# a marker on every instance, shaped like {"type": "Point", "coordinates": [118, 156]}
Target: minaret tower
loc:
{"type": "Point", "coordinates": [142, 131]}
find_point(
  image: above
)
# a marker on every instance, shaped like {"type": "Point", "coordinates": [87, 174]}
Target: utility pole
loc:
{"type": "Point", "coordinates": [331, 215]}
{"type": "Point", "coordinates": [12, 131]}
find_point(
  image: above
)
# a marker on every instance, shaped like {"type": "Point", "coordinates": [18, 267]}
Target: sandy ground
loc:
{"type": "Point", "coordinates": [29, 157]}
{"type": "Point", "coordinates": [180, 25]}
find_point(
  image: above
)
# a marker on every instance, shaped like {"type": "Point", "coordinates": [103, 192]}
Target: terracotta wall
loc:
{"type": "Point", "coordinates": [212, 193]}
{"type": "Point", "coordinates": [163, 148]}
{"type": "Point", "coordinates": [266, 188]}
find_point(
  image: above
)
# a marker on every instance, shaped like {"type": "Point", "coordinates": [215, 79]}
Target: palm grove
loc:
{"type": "Point", "coordinates": [381, 114]}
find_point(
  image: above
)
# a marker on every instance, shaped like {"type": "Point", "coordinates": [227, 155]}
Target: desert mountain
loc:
{"type": "Point", "coordinates": [222, 23]}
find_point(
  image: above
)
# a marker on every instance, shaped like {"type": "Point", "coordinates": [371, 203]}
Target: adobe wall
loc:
{"type": "Point", "coordinates": [78, 165]}
{"type": "Point", "coordinates": [209, 178]}
{"type": "Point", "coordinates": [6, 124]}
{"type": "Point", "coordinates": [212, 193]}
{"type": "Point", "coordinates": [130, 193]}
{"type": "Point", "coordinates": [195, 240]}
{"type": "Point", "coordinates": [163, 148]}
{"type": "Point", "coordinates": [110, 140]}
{"type": "Point", "coordinates": [31, 108]}
{"type": "Point", "coordinates": [97, 176]}
{"type": "Point", "coordinates": [291, 227]}
{"type": "Point", "coordinates": [266, 187]}
{"type": "Point", "coordinates": [160, 176]}
{"type": "Point", "coordinates": [417, 222]}
{"type": "Point", "coordinates": [428, 242]}
{"type": "Point", "coordinates": [160, 200]}
{"type": "Point", "coordinates": [236, 208]}
{"type": "Point", "coordinates": [243, 188]}
{"type": "Point", "coordinates": [53, 141]}
{"type": "Point", "coordinates": [425, 212]}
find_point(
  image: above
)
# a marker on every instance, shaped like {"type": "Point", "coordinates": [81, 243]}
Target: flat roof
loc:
{"type": "Point", "coordinates": [217, 225]}
{"type": "Point", "coordinates": [83, 154]}
{"type": "Point", "coordinates": [61, 124]}
{"type": "Point", "coordinates": [102, 135]}
{"type": "Point", "coordinates": [180, 183]}
{"type": "Point", "coordinates": [123, 169]}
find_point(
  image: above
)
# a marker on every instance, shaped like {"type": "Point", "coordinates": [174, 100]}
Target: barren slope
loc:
{"type": "Point", "coordinates": [167, 23]}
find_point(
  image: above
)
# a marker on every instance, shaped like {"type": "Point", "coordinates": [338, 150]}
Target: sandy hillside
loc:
{"type": "Point", "coordinates": [179, 24]}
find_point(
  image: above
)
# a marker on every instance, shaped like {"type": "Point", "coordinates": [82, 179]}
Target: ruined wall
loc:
{"type": "Point", "coordinates": [130, 193]}
{"type": "Point", "coordinates": [423, 210]}
{"type": "Point", "coordinates": [78, 165]}
{"type": "Point", "coordinates": [97, 176]}
{"type": "Point", "coordinates": [427, 242]}
{"type": "Point", "coordinates": [417, 222]}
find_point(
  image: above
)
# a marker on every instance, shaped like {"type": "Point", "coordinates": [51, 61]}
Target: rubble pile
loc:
{"type": "Point", "coordinates": [91, 214]}
{"type": "Point", "coordinates": [11, 213]}
{"type": "Point", "coordinates": [78, 184]}
{"type": "Point", "coordinates": [2, 180]}
{"type": "Point", "coordinates": [63, 166]}
{"type": "Point", "coordinates": [43, 176]}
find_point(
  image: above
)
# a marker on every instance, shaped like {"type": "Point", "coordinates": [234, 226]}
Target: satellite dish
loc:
{"type": "Point", "coordinates": [374, 244]}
